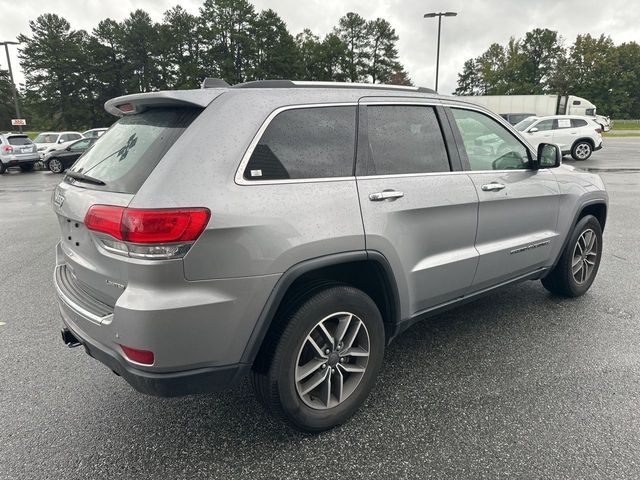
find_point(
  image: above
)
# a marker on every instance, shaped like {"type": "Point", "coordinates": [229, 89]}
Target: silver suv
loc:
{"type": "Point", "coordinates": [290, 231]}
{"type": "Point", "coordinates": [17, 150]}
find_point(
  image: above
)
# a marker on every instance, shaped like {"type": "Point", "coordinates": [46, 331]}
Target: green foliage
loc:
{"type": "Point", "coordinates": [69, 74]}
{"type": "Point", "coordinates": [593, 68]}
{"type": "Point", "coordinates": [6, 101]}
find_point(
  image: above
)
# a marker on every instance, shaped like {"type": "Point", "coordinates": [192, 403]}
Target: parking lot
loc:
{"type": "Point", "coordinates": [516, 385]}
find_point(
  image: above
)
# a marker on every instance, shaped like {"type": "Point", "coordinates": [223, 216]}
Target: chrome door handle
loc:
{"type": "Point", "coordinates": [385, 195]}
{"type": "Point", "coordinates": [492, 187]}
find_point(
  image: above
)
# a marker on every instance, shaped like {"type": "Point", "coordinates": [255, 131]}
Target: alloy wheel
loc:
{"type": "Point", "coordinates": [332, 360]}
{"type": "Point", "coordinates": [585, 254]}
{"type": "Point", "coordinates": [583, 151]}
{"type": "Point", "coordinates": [55, 165]}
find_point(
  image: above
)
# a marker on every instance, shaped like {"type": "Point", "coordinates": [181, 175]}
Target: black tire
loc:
{"type": "Point", "coordinates": [561, 280]}
{"type": "Point", "coordinates": [2, 168]}
{"type": "Point", "coordinates": [275, 385]}
{"type": "Point", "coordinates": [26, 167]}
{"type": "Point", "coordinates": [581, 150]}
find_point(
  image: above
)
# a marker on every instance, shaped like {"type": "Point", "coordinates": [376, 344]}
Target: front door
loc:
{"type": "Point", "coordinates": [518, 206]}
{"type": "Point", "coordinates": [417, 212]}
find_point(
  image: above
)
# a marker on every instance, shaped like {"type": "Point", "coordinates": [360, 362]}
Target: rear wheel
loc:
{"type": "Point", "coordinates": [26, 167]}
{"type": "Point", "coordinates": [55, 165]}
{"type": "Point", "coordinates": [324, 363]}
{"type": "Point", "coordinates": [3, 168]}
{"type": "Point", "coordinates": [581, 150]}
{"type": "Point", "coordinates": [578, 265]}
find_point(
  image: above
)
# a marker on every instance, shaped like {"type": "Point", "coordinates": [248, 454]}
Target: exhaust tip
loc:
{"type": "Point", "coordinates": [69, 338]}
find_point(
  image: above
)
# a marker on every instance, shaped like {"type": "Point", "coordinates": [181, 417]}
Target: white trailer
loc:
{"type": "Point", "coordinates": [539, 105]}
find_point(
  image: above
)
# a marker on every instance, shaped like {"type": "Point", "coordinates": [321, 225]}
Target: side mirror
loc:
{"type": "Point", "coordinates": [533, 130]}
{"type": "Point", "coordinates": [61, 140]}
{"type": "Point", "coordinates": [68, 149]}
{"type": "Point", "coordinates": [549, 155]}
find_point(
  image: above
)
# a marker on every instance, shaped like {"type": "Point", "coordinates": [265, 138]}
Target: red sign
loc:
{"type": "Point", "coordinates": [18, 121]}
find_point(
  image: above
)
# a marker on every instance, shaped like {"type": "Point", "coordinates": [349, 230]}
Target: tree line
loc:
{"type": "Point", "coordinates": [69, 74]}
{"type": "Point", "coordinates": [592, 67]}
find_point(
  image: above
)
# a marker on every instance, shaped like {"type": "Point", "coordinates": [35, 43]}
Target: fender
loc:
{"type": "Point", "coordinates": [293, 273]}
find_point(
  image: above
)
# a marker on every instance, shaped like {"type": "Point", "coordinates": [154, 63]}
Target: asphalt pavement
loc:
{"type": "Point", "coordinates": [517, 385]}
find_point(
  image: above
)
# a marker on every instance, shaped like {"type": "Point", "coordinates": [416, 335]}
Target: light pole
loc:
{"type": "Point", "coordinates": [439, 15]}
{"type": "Point", "coordinates": [13, 85]}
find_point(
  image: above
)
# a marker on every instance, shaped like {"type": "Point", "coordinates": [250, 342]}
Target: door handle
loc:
{"type": "Point", "coordinates": [385, 195]}
{"type": "Point", "coordinates": [492, 187]}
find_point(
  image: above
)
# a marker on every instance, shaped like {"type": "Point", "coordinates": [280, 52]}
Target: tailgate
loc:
{"type": "Point", "coordinates": [97, 271]}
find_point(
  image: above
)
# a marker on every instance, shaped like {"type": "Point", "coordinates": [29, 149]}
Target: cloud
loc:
{"type": "Point", "coordinates": [478, 24]}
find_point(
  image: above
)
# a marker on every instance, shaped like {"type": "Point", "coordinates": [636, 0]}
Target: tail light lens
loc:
{"type": "Point", "coordinates": [147, 233]}
{"type": "Point", "coordinates": [598, 130]}
{"type": "Point", "coordinates": [7, 148]}
{"type": "Point", "coordinates": [145, 357]}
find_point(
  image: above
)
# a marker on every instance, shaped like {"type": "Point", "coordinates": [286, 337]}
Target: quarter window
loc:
{"type": "Point", "coordinates": [300, 143]}
{"type": "Point", "coordinates": [488, 144]}
{"type": "Point", "coordinates": [577, 122]}
{"type": "Point", "coordinates": [405, 139]}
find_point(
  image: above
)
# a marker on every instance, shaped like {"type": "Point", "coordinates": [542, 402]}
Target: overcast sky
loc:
{"type": "Point", "coordinates": [478, 24]}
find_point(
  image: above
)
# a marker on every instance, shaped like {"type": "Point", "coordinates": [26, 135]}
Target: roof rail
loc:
{"type": "Point", "coordinates": [214, 83]}
{"type": "Point", "coordinates": [305, 84]}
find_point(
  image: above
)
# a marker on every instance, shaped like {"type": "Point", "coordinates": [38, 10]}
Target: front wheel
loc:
{"type": "Point", "coordinates": [325, 362]}
{"type": "Point", "coordinates": [55, 165]}
{"type": "Point", "coordinates": [578, 265]}
{"type": "Point", "coordinates": [581, 150]}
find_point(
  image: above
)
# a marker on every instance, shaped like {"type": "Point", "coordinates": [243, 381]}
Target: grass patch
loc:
{"type": "Point", "coordinates": [612, 134]}
{"type": "Point", "coordinates": [625, 125]}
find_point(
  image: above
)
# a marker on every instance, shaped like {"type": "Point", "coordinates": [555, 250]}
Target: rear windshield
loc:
{"type": "Point", "coordinates": [19, 140]}
{"type": "Point", "coordinates": [129, 151]}
{"type": "Point", "coordinates": [46, 138]}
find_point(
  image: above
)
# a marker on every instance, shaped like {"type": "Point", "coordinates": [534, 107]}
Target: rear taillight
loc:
{"type": "Point", "coordinates": [147, 233]}
{"type": "Point", "coordinates": [145, 357]}
{"type": "Point", "coordinates": [598, 130]}
{"type": "Point", "coordinates": [7, 148]}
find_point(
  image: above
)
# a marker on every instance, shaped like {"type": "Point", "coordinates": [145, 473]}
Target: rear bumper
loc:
{"type": "Point", "coordinates": [598, 147]}
{"type": "Point", "coordinates": [8, 161]}
{"type": "Point", "coordinates": [202, 380]}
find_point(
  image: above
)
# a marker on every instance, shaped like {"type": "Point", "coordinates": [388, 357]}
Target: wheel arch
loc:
{"type": "Point", "coordinates": [368, 271]}
{"type": "Point", "coordinates": [584, 139]}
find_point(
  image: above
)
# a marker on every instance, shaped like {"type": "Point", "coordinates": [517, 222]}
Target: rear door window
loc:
{"type": "Point", "coordinates": [577, 122]}
{"type": "Point", "coordinates": [126, 154]}
{"type": "Point", "coordinates": [405, 139]}
{"type": "Point", "coordinates": [300, 143]}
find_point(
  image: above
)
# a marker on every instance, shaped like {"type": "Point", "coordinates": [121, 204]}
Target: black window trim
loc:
{"type": "Point", "coordinates": [460, 144]}
{"type": "Point", "coordinates": [239, 176]}
{"type": "Point", "coordinates": [455, 162]}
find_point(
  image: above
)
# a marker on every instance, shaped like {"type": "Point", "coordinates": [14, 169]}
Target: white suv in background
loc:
{"type": "Point", "coordinates": [49, 141]}
{"type": "Point", "coordinates": [579, 136]}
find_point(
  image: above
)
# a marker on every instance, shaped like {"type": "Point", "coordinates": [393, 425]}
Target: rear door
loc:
{"type": "Point", "coordinates": [518, 209]}
{"type": "Point", "coordinates": [419, 209]}
{"type": "Point", "coordinates": [564, 133]}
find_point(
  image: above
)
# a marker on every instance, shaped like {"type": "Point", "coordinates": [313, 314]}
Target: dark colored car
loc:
{"type": "Point", "coordinates": [59, 160]}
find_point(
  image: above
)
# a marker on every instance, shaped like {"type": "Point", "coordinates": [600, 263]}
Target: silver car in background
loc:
{"type": "Point", "coordinates": [17, 150]}
{"type": "Point", "coordinates": [289, 231]}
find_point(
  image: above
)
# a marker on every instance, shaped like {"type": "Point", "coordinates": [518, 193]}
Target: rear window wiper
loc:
{"type": "Point", "coordinates": [84, 178]}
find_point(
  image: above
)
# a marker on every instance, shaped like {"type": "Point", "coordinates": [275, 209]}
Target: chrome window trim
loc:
{"type": "Point", "coordinates": [239, 176]}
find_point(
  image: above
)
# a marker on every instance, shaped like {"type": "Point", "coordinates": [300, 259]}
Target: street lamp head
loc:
{"type": "Point", "coordinates": [430, 15]}
{"type": "Point", "coordinates": [450, 14]}
{"type": "Point", "coordinates": [440, 14]}
{"type": "Point", "coordinates": [9, 43]}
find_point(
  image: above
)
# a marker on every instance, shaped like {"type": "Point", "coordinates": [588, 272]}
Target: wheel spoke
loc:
{"type": "Point", "coordinates": [327, 335]}
{"type": "Point", "coordinates": [308, 368]}
{"type": "Point", "coordinates": [316, 347]}
{"type": "Point", "coordinates": [351, 368]}
{"type": "Point", "coordinates": [316, 380]}
{"type": "Point", "coordinates": [325, 390]}
{"type": "Point", "coordinates": [351, 335]}
{"type": "Point", "coordinates": [343, 326]}
{"type": "Point", "coordinates": [576, 261]}
{"type": "Point", "coordinates": [355, 352]}
{"type": "Point", "coordinates": [338, 381]}
{"type": "Point", "coordinates": [576, 268]}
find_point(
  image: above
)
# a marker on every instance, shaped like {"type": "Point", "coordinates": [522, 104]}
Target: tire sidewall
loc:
{"type": "Point", "coordinates": [319, 306]}
{"type": "Point", "coordinates": [585, 223]}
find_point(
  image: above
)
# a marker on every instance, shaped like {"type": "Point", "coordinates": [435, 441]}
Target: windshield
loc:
{"type": "Point", "coordinates": [129, 151]}
{"type": "Point", "coordinates": [46, 138]}
{"type": "Point", "coordinates": [524, 124]}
